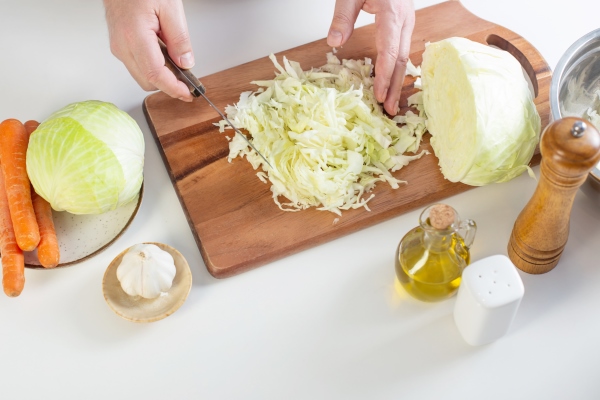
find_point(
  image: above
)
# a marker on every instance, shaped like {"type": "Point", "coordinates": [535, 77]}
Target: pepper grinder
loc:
{"type": "Point", "coordinates": [570, 148]}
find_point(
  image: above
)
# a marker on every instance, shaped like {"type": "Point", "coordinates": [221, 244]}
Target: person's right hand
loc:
{"type": "Point", "coordinates": [134, 26]}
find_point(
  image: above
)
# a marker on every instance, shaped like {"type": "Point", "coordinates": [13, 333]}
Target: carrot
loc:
{"type": "Point", "coordinates": [13, 262]}
{"type": "Point", "coordinates": [13, 149]}
{"type": "Point", "coordinates": [48, 251]}
{"type": "Point", "coordinates": [30, 126]}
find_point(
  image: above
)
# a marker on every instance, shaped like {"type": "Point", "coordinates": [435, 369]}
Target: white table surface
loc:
{"type": "Point", "coordinates": [326, 323]}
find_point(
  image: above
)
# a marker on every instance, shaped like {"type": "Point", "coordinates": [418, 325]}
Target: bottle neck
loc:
{"type": "Point", "coordinates": [437, 241]}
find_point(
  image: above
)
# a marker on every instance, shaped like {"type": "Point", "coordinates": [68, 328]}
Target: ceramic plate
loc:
{"type": "Point", "coordinates": [138, 309]}
{"type": "Point", "coordinates": [83, 236]}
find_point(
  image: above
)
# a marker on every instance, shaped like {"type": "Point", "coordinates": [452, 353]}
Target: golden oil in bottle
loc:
{"type": "Point", "coordinates": [429, 265]}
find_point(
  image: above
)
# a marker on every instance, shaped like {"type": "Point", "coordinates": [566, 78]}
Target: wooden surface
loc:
{"type": "Point", "coordinates": [541, 230]}
{"type": "Point", "coordinates": [235, 222]}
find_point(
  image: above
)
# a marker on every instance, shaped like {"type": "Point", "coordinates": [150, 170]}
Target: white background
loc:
{"type": "Point", "coordinates": [326, 323]}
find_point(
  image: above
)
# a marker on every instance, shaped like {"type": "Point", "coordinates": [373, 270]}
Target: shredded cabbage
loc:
{"type": "Point", "coordinates": [323, 132]}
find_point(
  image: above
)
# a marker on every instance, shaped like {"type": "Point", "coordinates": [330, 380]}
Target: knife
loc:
{"type": "Point", "coordinates": [197, 89]}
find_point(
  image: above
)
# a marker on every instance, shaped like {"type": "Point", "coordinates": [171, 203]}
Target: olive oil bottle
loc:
{"type": "Point", "coordinates": [431, 257]}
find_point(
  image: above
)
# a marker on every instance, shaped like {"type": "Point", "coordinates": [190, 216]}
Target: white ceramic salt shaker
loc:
{"type": "Point", "coordinates": [488, 299]}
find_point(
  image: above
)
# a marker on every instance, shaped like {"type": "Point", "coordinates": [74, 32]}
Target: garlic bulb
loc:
{"type": "Point", "coordinates": [146, 271]}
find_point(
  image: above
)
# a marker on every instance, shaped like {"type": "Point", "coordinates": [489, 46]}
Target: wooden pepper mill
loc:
{"type": "Point", "coordinates": [570, 148]}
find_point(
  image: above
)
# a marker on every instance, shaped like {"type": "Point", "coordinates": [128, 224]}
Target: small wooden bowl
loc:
{"type": "Point", "coordinates": [139, 309]}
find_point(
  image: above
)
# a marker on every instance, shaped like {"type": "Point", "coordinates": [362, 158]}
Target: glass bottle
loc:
{"type": "Point", "coordinates": [431, 257]}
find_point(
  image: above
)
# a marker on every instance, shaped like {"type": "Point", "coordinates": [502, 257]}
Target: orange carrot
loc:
{"type": "Point", "coordinates": [13, 149]}
{"type": "Point", "coordinates": [48, 251]}
{"type": "Point", "coordinates": [13, 262]}
{"type": "Point", "coordinates": [30, 126]}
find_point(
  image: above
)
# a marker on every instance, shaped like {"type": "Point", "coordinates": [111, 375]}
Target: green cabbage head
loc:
{"type": "Point", "coordinates": [87, 158]}
{"type": "Point", "coordinates": [480, 112]}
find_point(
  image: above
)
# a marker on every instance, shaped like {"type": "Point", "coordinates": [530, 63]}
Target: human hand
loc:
{"type": "Point", "coordinates": [134, 26]}
{"type": "Point", "coordinates": [394, 23]}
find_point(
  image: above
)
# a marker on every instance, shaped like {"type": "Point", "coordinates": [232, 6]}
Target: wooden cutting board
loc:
{"type": "Point", "coordinates": [235, 222]}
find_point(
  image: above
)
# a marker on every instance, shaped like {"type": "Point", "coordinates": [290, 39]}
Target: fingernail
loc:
{"type": "Point", "coordinates": [396, 110]}
{"type": "Point", "coordinates": [334, 39]}
{"type": "Point", "coordinates": [187, 60]}
{"type": "Point", "coordinates": [186, 99]}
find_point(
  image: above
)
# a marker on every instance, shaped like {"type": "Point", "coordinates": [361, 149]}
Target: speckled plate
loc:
{"type": "Point", "coordinates": [138, 309]}
{"type": "Point", "coordinates": [83, 236]}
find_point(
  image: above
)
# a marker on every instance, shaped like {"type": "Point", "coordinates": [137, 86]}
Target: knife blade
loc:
{"type": "Point", "coordinates": [197, 89]}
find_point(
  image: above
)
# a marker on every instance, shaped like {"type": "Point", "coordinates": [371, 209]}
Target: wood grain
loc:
{"type": "Point", "coordinates": [235, 222]}
{"type": "Point", "coordinates": [541, 230]}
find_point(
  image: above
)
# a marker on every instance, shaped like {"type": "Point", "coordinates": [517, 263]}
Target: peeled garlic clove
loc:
{"type": "Point", "coordinates": [146, 270]}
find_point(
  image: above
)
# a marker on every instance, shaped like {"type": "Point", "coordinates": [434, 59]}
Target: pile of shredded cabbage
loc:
{"type": "Point", "coordinates": [324, 134]}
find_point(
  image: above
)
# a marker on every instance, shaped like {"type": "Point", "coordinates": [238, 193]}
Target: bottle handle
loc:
{"type": "Point", "coordinates": [467, 230]}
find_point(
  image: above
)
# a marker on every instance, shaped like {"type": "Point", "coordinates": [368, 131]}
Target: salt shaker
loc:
{"type": "Point", "coordinates": [488, 299]}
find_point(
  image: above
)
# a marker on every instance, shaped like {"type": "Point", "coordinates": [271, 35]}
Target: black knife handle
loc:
{"type": "Point", "coordinates": [184, 75]}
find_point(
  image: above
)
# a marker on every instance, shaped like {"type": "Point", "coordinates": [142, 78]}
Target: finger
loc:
{"type": "Point", "coordinates": [125, 55]}
{"type": "Point", "coordinates": [344, 17]}
{"type": "Point", "coordinates": [387, 40]}
{"type": "Point", "coordinates": [151, 66]}
{"type": "Point", "coordinates": [174, 32]}
{"type": "Point", "coordinates": [137, 75]}
{"type": "Point", "coordinates": [397, 79]}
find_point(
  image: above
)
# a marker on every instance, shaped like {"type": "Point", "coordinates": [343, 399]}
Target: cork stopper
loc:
{"type": "Point", "coordinates": [441, 216]}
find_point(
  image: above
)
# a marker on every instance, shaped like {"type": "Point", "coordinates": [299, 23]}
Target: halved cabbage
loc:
{"type": "Point", "coordinates": [484, 125]}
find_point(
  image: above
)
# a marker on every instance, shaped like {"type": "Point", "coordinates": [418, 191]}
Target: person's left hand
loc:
{"type": "Point", "coordinates": [394, 23]}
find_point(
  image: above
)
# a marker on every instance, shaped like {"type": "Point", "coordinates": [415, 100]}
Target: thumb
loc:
{"type": "Point", "coordinates": [174, 32]}
{"type": "Point", "coordinates": [344, 17]}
